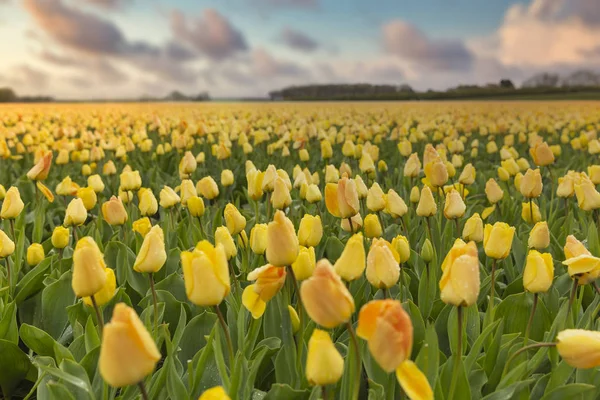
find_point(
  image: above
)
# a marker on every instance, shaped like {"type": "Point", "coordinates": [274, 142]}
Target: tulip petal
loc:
{"type": "Point", "coordinates": [413, 381]}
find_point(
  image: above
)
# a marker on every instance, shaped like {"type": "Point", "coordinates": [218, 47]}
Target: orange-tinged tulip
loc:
{"type": "Point", "coordinates": [574, 248]}
{"type": "Point", "coordinates": [383, 270]}
{"type": "Point", "coordinates": [269, 280]}
{"type": "Point", "coordinates": [388, 330]}
{"type": "Point", "coordinates": [40, 171]}
{"type": "Point", "coordinates": [585, 267]}
{"type": "Point", "coordinates": [542, 154]}
{"type": "Point", "coordinates": [114, 212]}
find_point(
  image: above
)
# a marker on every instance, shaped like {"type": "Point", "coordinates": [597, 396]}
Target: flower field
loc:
{"type": "Point", "coordinates": [300, 251]}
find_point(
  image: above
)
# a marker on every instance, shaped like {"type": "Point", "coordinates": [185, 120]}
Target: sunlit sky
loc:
{"type": "Point", "coordinates": [230, 48]}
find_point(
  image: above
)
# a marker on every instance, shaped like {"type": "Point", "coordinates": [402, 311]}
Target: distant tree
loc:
{"type": "Point", "coordinates": [507, 84]}
{"type": "Point", "coordinates": [404, 88]}
{"type": "Point", "coordinates": [542, 80]}
{"type": "Point", "coordinates": [7, 95]}
{"type": "Point", "coordinates": [581, 78]}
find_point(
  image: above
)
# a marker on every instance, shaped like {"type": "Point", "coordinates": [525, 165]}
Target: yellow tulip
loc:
{"type": "Point", "coordinates": [413, 381]}
{"type": "Point", "coordinates": [467, 176]}
{"type": "Point", "coordinates": [394, 204]}
{"type": "Point", "coordinates": [373, 227]}
{"type": "Point", "coordinates": [574, 248]}
{"type": "Point", "coordinates": [539, 272]}
{"type": "Point", "coordinates": [539, 237]}
{"type": "Point", "coordinates": [142, 226]}
{"type": "Point", "coordinates": [436, 172]}
{"type": "Point", "coordinates": [304, 265]}
{"type": "Point", "coordinates": [12, 204]}
{"type": "Point", "coordinates": [542, 154]}
{"type": "Point", "coordinates": [109, 168]}
{"type": "Point", "coordinates": [579, 348]}
{"type": "Point", "coordinates": [503, 174]}
{"type": "Point", "coordinates": [40, 170]}
{"type": "Point", "coordinates": [281, 197]}
{"type": "Point", "coordinates": [415, 194]}
{"type": "Point", "coordinates": [473, 229]}
{"type": "Point", "coordinates": [223, 237]}
{"type": "Point", "coordinates": [326, 149]}
{"type": "Point", "coordinates": [187, 190]}
{"type": "Point", "coordinates": [88, 268]}
{"type": "Point", "coordinates": [412, 167]}
{"type": "Point", "coordinates": [234, 220]}
{"type": "Point", "coordinates": [95, 182]}
{"type": "Point", "coordinates": [206, 274]}
{"type": "Point", "coordinates": [361, 187]}
{"type": "Point", "coordinates": [130, 180]}
{"type": "Point", "coordinates": [375, 198]}
{"type": "Point", "coordinates": [187, 165]}
{"type": "Point", "coordinates": [526, 212]}
{"type": "Point", "coordinates": [255, 181]}
{"type": "Point", "coordinates": [588, 197]}
{"type": "Point", "coordinates": [227, 177]}
{"type": "Point", "coordinates": [67, 187]}
{"type": "Point", "coordinates": [35, 254]}
{"type": "Point", "coordinates": [148, 204]}
{"type": "Point", "coordinates": [114, 212]}
{"type": "Point", "coordinates": [258, 238]}
{"type": "Point", "coordinates": [382, 270]}
{"type": "Point", "coordinates": [332, 175]}
{"type": "Point", "coordinates": [531, 184]}
{"type": "Point", "coordinates": [76, 213]}
{"type": "Point", "coordinates": [454, 207]}
{"type": "Point", "coordinates": [352, 261]}
{"type": "Point", "coordinates": [7, 246]}
{"type": "Point", "coordinates": [366, 163]}
{"type": "Point", "coordinates": [313, 194]}
{"type": "Point", "coordinates": [497, 240]}
{"type": "Point", "coordinates": [294, 318]}
{"type": "Point", "coordinates": [282, 242]}
{"type": "Point", "coordinates": [510, 166]}
{"type": "Point", "coordinates": [152, 255]}
{"type": "Point", "coordinates": [168, 197]}
{"type": "Point", "coordinates": [493, 191]}
{"type": "Point", "coordinates": [310, 231]}
{"type": "Point", "coordinates": [565, 187]}
{"type": "Point", "coordinates": [207, 188]}
{"type": "Point", "coordinates": [426, 206]}
{"type": "Point", "coordinates": [128, 352]}
{"type": "Point", "coordinates": [324, 363]}
{"type": "Point", "coordinates": [400, 243]}
{"type": "Point", "coordinates": [106, 293]}
{"type": "Point", "coordinates": [585, 267]}
{"type": "Point", "coordinates": [214, 393]}
{"type": "Point", "coordinates": [325, 297]}
{"type": "Point", "coordinates": [88, 196]}
{"type": "Point", "coordinates": [269, 280]}
{"type": "Point", "coordinates": [459, 285]}
{"type": "Point", "coordinates": [60, 237]}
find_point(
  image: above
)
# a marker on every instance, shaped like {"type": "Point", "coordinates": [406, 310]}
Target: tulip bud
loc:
{"type": "Point", "coordinates": [152, 255]}
{"type": "Point", "coordinates": [269, 280]}
{"type": "Point", "coordinates": [503, 174]}
{"type": "Point", "coordinates": [541, 154]}
{"type": "Point", "coordinates": [294, 319]}
{"type": "Point", "coordinates": [282, 242]}
{"type": "Point", "coordinates": [436, 172]}
{"type": "Point", "coordinates": [427, 251]}
{"type": "Point", "coordinates": [305, 263]}
{"type": "Point", "coordinates": [142, 226]}
{"type": "Point", "coordinates": [579, 348]}
{"type": "Point", "coordinates": [109, 168]}
{"type": "Point", "coordinates": [588, 197]}
{"type": "Point", "coordinates": [60, 237]}
{"type": "Point", "coordinates": [531, 184]}
{"type": "Point", "coordinates": [234, 220]}
{"type": "Point", "coordinates": [226, 177]}
{"type": "Point", "coordinates": [459, 285]}
{"type": "Point", "coordinates": [76, 213]}
{"type": "Point", "coordinates": [35, 254]}
{"type": "Point", "coordinates": [454, 207]}
{"type": "Point", "coordinates": [526, 213]}
{"type": "Point", "coordinates": [325, 297]}
{"type": "Point", "coordinates": [128, 352]}
{"type": "Point", "coordinates": [347, 198]}
{"type": "Point", "coordinates": [255, 181]}
{"type": "Point", "coordinates": [565, 187]}
{"type": "Point", "coordinates": [324, 363]}
{"type": "Point", "coordinates": [130, 180]}
{"type": "Point", "coordinates": [388, 330]}
{"type": "Point", "coordinates": [366, 163]}
{"type": "Point", "coordinates": [351, 263]}
{"type": "Point", "coordinates": [214, 393]}
{"type": "Point", "coordinates": [467, 176]}
{"type": "Point", "coordinates": [114, 212]}
{"type": "Point", "coordinates": [187, 190]}
{"type": "Point", "coordinates": [223, 237]}
{"type": "Point", "coordinates": [539, 237]}
{"type": "Point", "coordinates": [394, 205]}
{"type": "Point", "coordinates": [187, 165]}
{"type": "Point", "coordinates": [7, 246]}
{"type": "Point", "coordinates": [168, 197]}
{"type": "Point", "coordinates": [412, 167]}
{"type": "Point", "coordinates": [510, 166]}
{"type": "Point", "coordinates": [310, 230]}
{"type": "Point", "coordinates": [497, 240]}
{"type": "Point", "coordinates": [332, 175]}
{"type": "Point", "coordinates": [148, 204]}
{"type": "Point", "coordinates": [539, 272]}
{"type": "Point", "coordinates": [361, 188]}
{"type": "Point", "coordinates": [268, 180]}
{"type": "Point", "coordinates": [400, 243]}
{"type": "Point", "coordinates": [206, 274]}
{"type": "Point", "coordinates": [281, 197]}
{"type": "Point", "coordinates": [415, 195]}
{"type": "Point", "coordinates": [88, 196]}
{"type": "Point", "coordinates": [106, 293]}
{"type": "Point", "coordinates": [493, 191]}
{"type": "Point", "coordinates": [375, 198]}
{"type": "Point", "coordinates": [574, 248]}
{"type": "Point", "coordinates": [313, 194]}
{"type": "Point", "coordinates": [426, 206]}
{"type": "Point", "coordinates": [12, 204]}
{"type": "Point", "coordinates": [258, 238]}
{"type": "Point", "coordinates": [195, 206]}
{"type": "Point", "coordinates": [207, 187]}
{"type": "Point", "coordinates": [373, 227]}
{"type": "Point", "coordinates": [383, 270]}
{"type": "Point", "coordinates": [473, 229]}
{"type": "Point", "coordinates": [88, 268]}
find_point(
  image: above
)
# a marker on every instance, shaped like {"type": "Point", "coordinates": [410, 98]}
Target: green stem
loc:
{"type": "Point", "coordinates": [492, 288]}
{"type": "Point", "coordinates": [356, 389]}
{"type": "Point", "coordinates": [351, 226]}
{"type": "Point", "coordinates": [227, 335]}
{"type": "Point", "coordinates": [143, 390]}
{"type": "Point", "coordinates": [572, 298]}
{"type": "Point", "coordinates": [154, 302]}
{"type": "Point", "coordinates": [429, 228]}
{"type": "Point", "coordinates": [458, 354]}
{"type": "Point", "coordinates": [522, 349]}
{"type": "Point", "coordinates": [99, 316]}
{"type": "Point", "coordinates": [535, 301]}
{"type": "Point", "coordinates": [531, 210]}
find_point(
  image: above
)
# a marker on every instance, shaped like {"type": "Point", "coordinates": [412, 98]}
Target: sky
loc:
{"type": "Point", "coordinates": [108, 49]}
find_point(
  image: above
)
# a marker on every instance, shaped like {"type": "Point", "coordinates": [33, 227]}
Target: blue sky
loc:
{"type": "Point", "coordinates": [126, 48]}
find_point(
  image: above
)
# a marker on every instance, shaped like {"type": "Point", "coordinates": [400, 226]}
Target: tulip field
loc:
{"type": "Point", "coordinates": [300, 251]}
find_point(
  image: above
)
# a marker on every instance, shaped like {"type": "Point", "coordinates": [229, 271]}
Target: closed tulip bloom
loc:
{"type": "Point", "coordinates": [128, 353]}
{"type": "Point", "coordinates": [357, 224]}
{"type": "Point", "coordinates": [106, 293]}
{"type": "Point", "coordinates": [491, 147]}
{"type": "Point", "coordinates": [361, 188]}
{"type": "Point", "coordinates": [281, 197]}
{"type": "Point", "coordinates": [147, 204]}
{"type": "Point", "coordinates": [518, 179]}
{"type": "Point", "coordinates": [214, 393]}
{"type": "Point", "coordinates": [35, 254]}
{"type": "Point", "coordinates": [40, 170]}
{"type": "Point", "coordinates": [473, 229]}
{"type": "Point", "coordinates": [366, 163]}
{"type": "Point", "coordinates": [324, 363]}
{"type": "Point", "coordinates": [326, 149]}
{"type": "Point", "coordinates": [12, 204]}
{"type": "Point", "coordinates": [415, 194]}
{"type": "Point", "coordinates": [412, 167]}
{"type": "Point", "coordinates": [67, 187]}
{"type": "Point", "coordinates": [467, 176]}
{"type": "Point", "coordinates": [305, 263]}
{"type": "Point", "coordinates": [207, 188]}
{"type": "Point", "coordinates": [187, 165]}
{"type": "Point", "coordinates": [426, 206]}
{"type": "Point", "coordinates": [348, 148]}
{"type": "Point", "coordinates": [109, 168]}
{"type": "Point", "coordinates": [222, 236]}
{"type": "Point", "coordinates": [95, 182]}
{"type": "Point", "coordinates": [332, 175]}
{"type": "Point", "coordinates": [303, 154]}
{"type": "Point", "coordinates": [531, 184]}
{"type": "Point", "coordinates": [400, 243]}
{"type": "Point", "coordinates": [352, 262]}
{"type": "Point", "coordinates": [388, 330]}
{"type": "Point", "coordinates": [258, 238]}
{"type": "Point", "coordinates": [454, 207]}
{"type": "Point", "coordinates": [526, 212]}
{"type": "Point", "coordinates": [269, 280]}
{"type": "Point", "coordinates": [383, 270]}
{"type": "Point", "coordinates": [539, 237]}
{"type": "Point", "coordinates": [459, 285]}
{"type": "Point", "coordinates": [373, 227]}
{"type": "Point", "coordinates": [497, 240]}
{"type": "Point", "coordinates": [88, 196]}
{"type": "Point", "coordinates": [594, 173]}
{"type": "Point", "coordinates": [313, 194]}
{"type": "Point", "coordinates": [413, 381]}
{"type": "Point", "coordinates": [310, 231]}
{"type": "Point", "coordinates": [574, 248]}
{"type": "Point", "coordinates": [405, 148]}
{"type": "Point", "coordinates": [76, 213]}
{"type": "Point", "coordinates": [325, 297]}
{"type": "Point", "coordinates": [7, 246]}
{"type": "Point", "coordinates": [503, 174]}
{"type": "Point", "coordinates": [255, 181]}
{"type": "Point", "coordinates": [63, 157]}
{"type": "Point", "coordinates": [142, 226]}
{"type": "Point", "coordinates": [542, 154]}
{"type": "Point", "coordinates": [588, 197]}
{"type": "Point", "coordinates": [60, 237]}
{"type": "Point", "coordinates": [268, 180]}
{"type": "Point", "coordinates": [88, 268]}
{"type": "Point", "coordinates": [206, 274]}
{"type": "Point", "coordinates": [579, 348]}
{"type": "Point", "coordinates": [436, 172]}
{"type": "Point", "coordinates": [168, 197]}
{"type": "Point", "coordinates": [282, 242]}
{"type": "Point", "coordinates": [539, 272]}
{"type": "Point", "coordinates": [394, 204]}
{"type": "Point", "coordinates": [347, 198]}
{"type": "Point", "coordinates": [130, 180]}
{"type": "Point", "coordinates": [187, 190]}
{"type": "Point", "coordinates": [227, 177]}
{"type": "Point", "coordinates": [493, 191]}
{"type": "Point", "coordinates": [152, 255]}
{"type": "Point", "coordinates": [585, 267]}
{"type": "Point", "coordinates": [566, 187]}
{"type": "Point", "coordinates": [114, 212]}
{"type": "Point", "coordinates": [375, 198]}
{"type": "Point", "coordinates": [234, 220]}
{"type": "Point", "coordinates": [511, 166]}
{"type": "Point", "coordinates": [195, 206]}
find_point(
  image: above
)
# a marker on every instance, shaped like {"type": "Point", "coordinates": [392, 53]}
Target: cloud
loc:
{"type": "Point", "coordinates": [94, 68]}
{"type": "Point", "coordinates": [289, 3]}
{"type": "Point", "coordinates": [211, 34]}
{"type": "Point", "coordinates": [406, 41]}
{"type": "Point", "coordinates": [265, 65]}
{"type": "Point", "coordinates": [298, 40]}
{"type": "Point", "coordinates": [108, 4]}
{"type": "Point", "coordinates": [26, 79]}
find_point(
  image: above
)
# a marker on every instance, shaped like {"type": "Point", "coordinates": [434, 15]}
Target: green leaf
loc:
{"type": "Point", "coordinates": [42, 343]}
{"type": "Point", "coordinates": [428, 359]}
{"type": "Point", "coordinates": [175, 385]}
{"type": "Point", "coordinates": [58, 391]}
{"type": "Point", "coordinates": [559, 376]}
{"type": "Point", "coordinates": [92, 339]}
{"type": "Point", "coordinates": [280, 391]}
{"type": "Point", "coordinates": [462, 389]}
{"type": "Point", "coordinates": [569, 391]}
{"type": "Point", "coordinates": [55, 299]}
{"type": "Point", "coordinates": [8, 323]}
{"type": "Point", "coordinates": [515, 311]}
{"type": "Point", "coordinates": [475, 350]}
{"type": "Point", "coordinates": [14, 367]}
{"type": "Point", "coordinates": [193, 337]}
{"type": "Point", "coordinates": [33, 281]}
{"type": "Point", "coordinates": [508, 392]}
